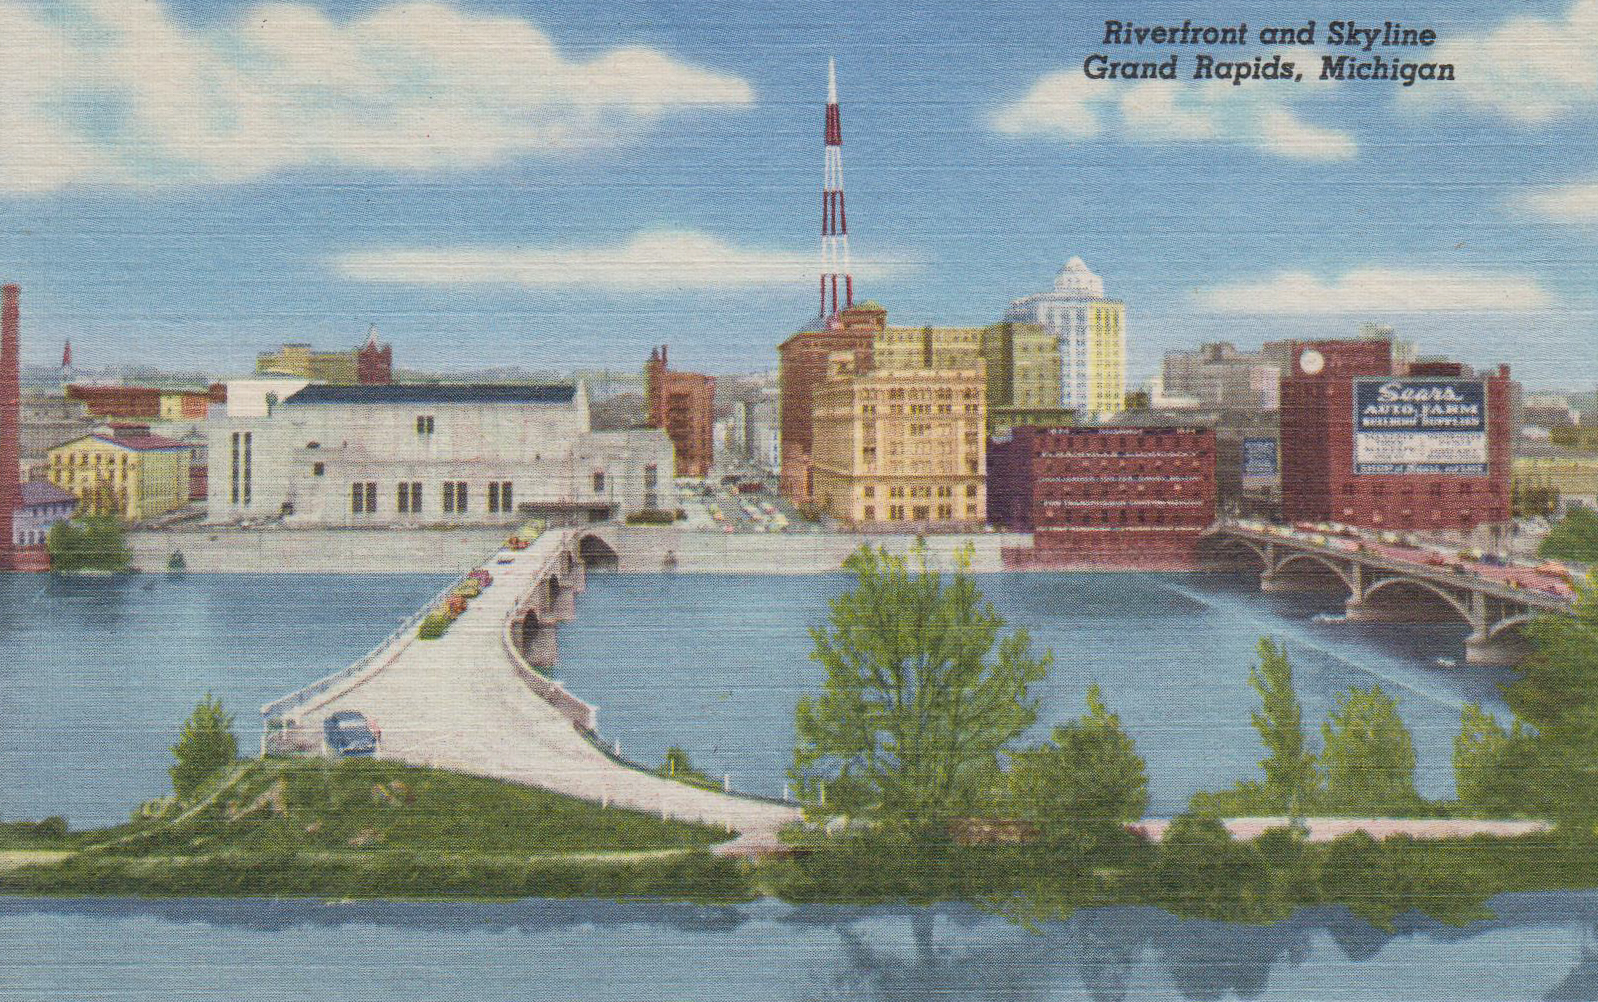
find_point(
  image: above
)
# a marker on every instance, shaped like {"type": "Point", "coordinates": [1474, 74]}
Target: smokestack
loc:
{"type": "Point", "coordinates": [10, 419]}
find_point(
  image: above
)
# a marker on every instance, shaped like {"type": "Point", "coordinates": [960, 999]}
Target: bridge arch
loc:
{"type": "Point", "coordinates": [1220, 544]}
{"type": "Point", "coordinates": [1461, 607]}
{"type": "Point", "coordinates": [1342, 573]}
{"type": "Point", "coordinates": [597, 554]}
{"type": "Point", "coordinates": [1511, 623]}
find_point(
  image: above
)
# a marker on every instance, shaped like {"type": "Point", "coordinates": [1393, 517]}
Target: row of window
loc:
{"type": "Point", "coordinates": [917, 491]}
{"type": "Point", "coordinates": [918, 513]}
{"type": "Point", "coordinates": [455, 497]}
{"type": "Point", "coordinates": [1122, 517]}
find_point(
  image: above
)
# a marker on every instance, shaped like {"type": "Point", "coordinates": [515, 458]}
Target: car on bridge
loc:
{"type": "Point", "coordinates": [350, 734]}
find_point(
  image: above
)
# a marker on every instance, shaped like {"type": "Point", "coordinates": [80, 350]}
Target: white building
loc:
{"type": "Point", "coordinates": [1092, 333]}
{"type": "Point", "coordinates": [417, 454]}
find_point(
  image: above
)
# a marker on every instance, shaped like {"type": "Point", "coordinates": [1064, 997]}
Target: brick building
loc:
{"type": "Point", "coordinates": [802, 368]}
{"type": "Point", "coordinates": [1372, 442]}
{"type": "Point", "coordinates": [684, 404]}
{"type": "Point", "coordinates": [1104, 496]}
{"type": "Point", "coordinates": [139, 402]}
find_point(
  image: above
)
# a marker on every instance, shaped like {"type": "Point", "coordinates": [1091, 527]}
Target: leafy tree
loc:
{"type": "Point", "coordinates": [1291, 781]}
{"type": "Point", "coordinates": [205, 746]}
{"type": "Point", "coordinates": [1574, 537]}
{"type": "Point", "coordinates": [1557, 694]}
{"type": "Point", "coordinates": [1369, 756]}
{"type": "Point", "coordinates": [1490, 764]}
{"type": "Point", "coordinates": [1084, 783]}
{"type": "Point", "coordinates": [94, 543]}
{"type": "Point", "coordinates": [914, 712]}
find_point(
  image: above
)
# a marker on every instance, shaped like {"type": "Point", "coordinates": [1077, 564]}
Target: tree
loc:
{"type": "Point", "coordinates": [1368, 756]}
{"type": "Point", "coordinates": [94, 543]}
{"type": "Point", "coordinates": [1574, 537]}
{"type": "Point", "coordinates": [1490, 764]}
{"type": "Point", "coordinates": [914, 712]}
{"type": "Point", "coordinates": [1557, 695]}
{"type": "Point", "coordinates": [205, 745]}
{"type": "Point", "coordinates": [1291, 781]}
{"type": "Point", "coordinates": [1085, 783]}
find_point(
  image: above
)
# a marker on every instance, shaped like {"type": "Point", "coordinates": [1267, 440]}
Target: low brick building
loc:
{"type": "Point", "coordinates": [684, 404]}
{"type": "Point", "coordinates": [1104, 496]}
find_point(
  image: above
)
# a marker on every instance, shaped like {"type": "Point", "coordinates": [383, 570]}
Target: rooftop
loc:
{"type": "Point", "coordinates": [435, 393]}
{"type": "Point", "coordinates": [42, 492]}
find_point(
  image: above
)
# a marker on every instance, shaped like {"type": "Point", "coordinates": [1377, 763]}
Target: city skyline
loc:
{"type": "Point", "coordinates": [603, 182]}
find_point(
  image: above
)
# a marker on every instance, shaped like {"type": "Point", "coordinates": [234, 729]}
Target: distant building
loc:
{"type": "Point", "coordinates": [43, 505]}
{"type": "Point", "coordinates": [1092, 333]}
{"type": "Point", "coordinates": [1023, 365]}
{"type": "Point", "coordinates": [900, 447]}
{"type": "Point", "coordinates": [1218, 375]}
{"type": "Point", "coordinates": [421, 454]}
{"type": "Point", "coordinates": [48, 419]}
{"type": "Point", "coordinates": [1572, 473]}
{"type": "Point", "coordinates": [141, 403]}
{"type": "Point", "coordinates": [1112, 496]}
{"type": "Point", "coordinates": [372, 364]}
{"type": "Point", "coordinates": [128, 473]}
{"type": "Point", "coordinates": [801, 369]}
{"type": "Point", "coordinates": [684, 404]}
{"type": "Point", "coordinates": [1423, 445]}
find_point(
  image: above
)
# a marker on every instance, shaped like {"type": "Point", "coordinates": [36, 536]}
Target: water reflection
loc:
{"type": "Point", "coordinates": [889, 953]}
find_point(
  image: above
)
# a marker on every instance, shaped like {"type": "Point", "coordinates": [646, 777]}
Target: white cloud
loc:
{"type": "Point", "coordinates": [1378, 290]}
{"type": "Point", "coordinates": [1571, 203]}
{"type": "Point", "coordinates": [1527, 70]}
{"type": "Point", "coordinates": [656, 261]}
{"type": "Point", "coordinates": [118, 92]}
{"type": "Point", "coordinates": [1069, 106]}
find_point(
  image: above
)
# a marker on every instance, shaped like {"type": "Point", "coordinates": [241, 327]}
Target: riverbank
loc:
{"type": "Point", "coordinates": [640, 549]}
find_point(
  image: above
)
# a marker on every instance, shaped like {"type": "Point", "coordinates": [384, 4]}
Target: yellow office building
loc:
{"type": "Point", "coordinates": [901, 447]}
{"type": "Point", "coordinates": [131, 474]}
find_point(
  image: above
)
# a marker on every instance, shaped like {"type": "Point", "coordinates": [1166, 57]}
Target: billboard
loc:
{"type": "Point", "coordinates": [1420, 425]}
{"type": "Point", "coordinates": [1259, 459]}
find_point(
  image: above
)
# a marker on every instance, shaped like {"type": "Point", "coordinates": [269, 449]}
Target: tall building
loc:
{"type": "Point", "coordinates": [1123, 496]}
{"type": "Point", "coordinates": [926, 347]}
{"type": "Point", "coordinates": [1092, 333]}
{"type": "Point", "coordinates": [372, 364]}
{"type": "Point", "coordinates": [10, 419]}
{"type": "Point", "coordinates": [684, 404]}
{"type": "Point", "coordinates": [801, 369]}
{"type": "Point", "coordinates": [901, 447]}
{"type": "Point", "coordinates": [1384, 446]}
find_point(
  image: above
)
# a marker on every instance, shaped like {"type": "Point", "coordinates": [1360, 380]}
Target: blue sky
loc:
{"type": "Point", "coordinates": [508, 183]}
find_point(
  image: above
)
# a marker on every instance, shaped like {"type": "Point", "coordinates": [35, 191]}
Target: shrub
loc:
{"type": "Point", "coordinates": [651, 516]}
{"type": "Point", "coordinates": [205, 746]}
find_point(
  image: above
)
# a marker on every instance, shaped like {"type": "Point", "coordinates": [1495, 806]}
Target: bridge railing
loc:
{"type": "Point", "coordinates": [369, 660]}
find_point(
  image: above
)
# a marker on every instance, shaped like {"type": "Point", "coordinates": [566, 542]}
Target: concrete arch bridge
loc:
{"type": "Point", "coordinates": [1381, 585]}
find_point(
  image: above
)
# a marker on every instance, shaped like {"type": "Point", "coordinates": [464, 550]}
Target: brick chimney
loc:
{"type": "Point", "coordinates": [10, 419]}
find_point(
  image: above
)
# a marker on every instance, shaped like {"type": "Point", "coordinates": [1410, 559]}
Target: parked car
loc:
{"type": "Point", "coordinates": [350, 733]}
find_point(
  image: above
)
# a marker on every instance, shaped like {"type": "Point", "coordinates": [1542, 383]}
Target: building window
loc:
{"type": "Point", "coordinates": [234, 495]}
{"type": "Point", "coordinates": [922, 512]}
{"type": "Point", "coordinates": [599, 481]}
{"type": "Point", "coordinates": [945, 511]}
{"type": "Point", "coordinates": [363, 498]}
{"type": "Point", "coordinates": [317, 470]}
{"type": "Point", "coordinates": [868, 491]}
{"type": "Point", "coordinates": [869, 514]}
{"type": "Point", "coordinates": [499, 496]}
{"type": "Point", "coordinates": [651, 475]}
{"type": "Point", "coordinates": [247, 437]}
{"type": "Point", "coordinates": [424, 424]}
{"type": "Point", "coordinates": [454, 497]}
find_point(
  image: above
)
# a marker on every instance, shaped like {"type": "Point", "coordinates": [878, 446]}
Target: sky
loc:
{"type": "Point", "coordinates": [184, 184]}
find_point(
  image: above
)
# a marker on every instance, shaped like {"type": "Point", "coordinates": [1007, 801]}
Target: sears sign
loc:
{"type": "Point", "coordinates": [1414, 425]}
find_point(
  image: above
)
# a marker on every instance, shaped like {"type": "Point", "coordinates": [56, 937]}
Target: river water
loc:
{"type": "Point", "coordinates": [96, 675]}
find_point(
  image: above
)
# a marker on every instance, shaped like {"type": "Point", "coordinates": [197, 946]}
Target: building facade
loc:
{"type": "Point", "coordinates": [802, 366]}
{"type": "Point", "coordinates": [10, 419]}
{"type": "Point", "coordinates": [1113, 496]}
{"type": "Point", "coordinates": [1092, 338]}
{"type": "Point", "coordinates": [1570, 473]}
{"type": "Point", "coordinates": [48, 419]}
{"type": "Point", "coordinates": [139, 403]}
{"type": "Point", "coordinates": [684, 404]}
{"type": "Point", "coordinates": [901, 448]}
{"type": "Point", "coordinates": [372, 364]}
{"type": "Point", "coordinates": [1417, 446]}
{"type": "Point", "coordinates": [1218, 375]}
{"type": "Point", "coordinates": [42, 505]}
{"type": "Point", "coordinates": [423, 454]}
{"type": "Point", "coordinates": [128, 473]}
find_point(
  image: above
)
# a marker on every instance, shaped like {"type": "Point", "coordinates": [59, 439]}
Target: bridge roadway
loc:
{"type": "Point", "coordinates": [470, 701]}
{"type": "Point", "coordinates": [1393, 582]}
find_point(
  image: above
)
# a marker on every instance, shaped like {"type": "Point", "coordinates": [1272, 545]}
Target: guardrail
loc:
{"type": "Point", "coordinates": [304, 695]}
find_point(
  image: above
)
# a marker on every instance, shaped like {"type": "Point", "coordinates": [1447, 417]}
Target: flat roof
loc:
{"type": "Point", "coordinates": [435, 393]}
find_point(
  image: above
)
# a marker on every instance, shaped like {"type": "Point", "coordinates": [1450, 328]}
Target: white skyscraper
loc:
{"type": "Point", "coordinates": [1092, 333]}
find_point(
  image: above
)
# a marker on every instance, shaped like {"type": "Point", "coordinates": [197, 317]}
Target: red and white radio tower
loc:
{"type": "Point", "coordinates": [834, 221]}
